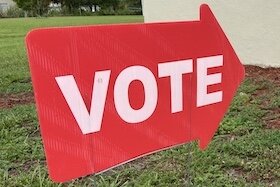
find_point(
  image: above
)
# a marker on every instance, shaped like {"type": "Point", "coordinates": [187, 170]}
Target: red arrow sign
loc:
{"type": "Point", "coordinates": [109, 94]}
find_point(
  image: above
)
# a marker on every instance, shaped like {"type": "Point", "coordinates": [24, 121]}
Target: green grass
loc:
{"type": "Point", "coordinates": [244, 152]}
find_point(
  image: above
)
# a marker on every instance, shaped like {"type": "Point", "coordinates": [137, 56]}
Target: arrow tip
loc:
{"type": "Point", "coordinates": [233, 63]}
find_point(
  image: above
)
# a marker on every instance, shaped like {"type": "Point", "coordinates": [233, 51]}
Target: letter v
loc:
{"type": "Point", "coordinates": [88, 122]}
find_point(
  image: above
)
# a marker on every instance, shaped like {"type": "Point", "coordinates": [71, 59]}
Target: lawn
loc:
{"type": "Point", "coordinates": [244, 152]}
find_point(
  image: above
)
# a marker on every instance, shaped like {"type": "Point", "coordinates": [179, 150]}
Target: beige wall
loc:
{"type": "Point", "coordinates": [253, 26]}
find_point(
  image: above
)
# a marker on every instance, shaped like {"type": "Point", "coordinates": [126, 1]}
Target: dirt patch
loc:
{"type": "Point", "coordinates": [273, 124]}
{"type": "Point", "coordinates": [25, 167]}
{"type": "Point", "coordinates": [258, 74]}
{"type": "Point", "coordinates": [10, 100]}
{"type": "Point", "coordinates": [14, 171]}
{"type": "Point", "coordinates": [270, 73]}
{"type": "Point", "coordinates": [272, 119]}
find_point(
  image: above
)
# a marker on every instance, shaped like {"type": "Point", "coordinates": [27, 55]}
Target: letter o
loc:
{"type": "Point", "coordinates": [121, 97]}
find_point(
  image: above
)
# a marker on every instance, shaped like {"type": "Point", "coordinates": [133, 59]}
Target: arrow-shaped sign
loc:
{"type": "Point", "coordinates": [109, 94]}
